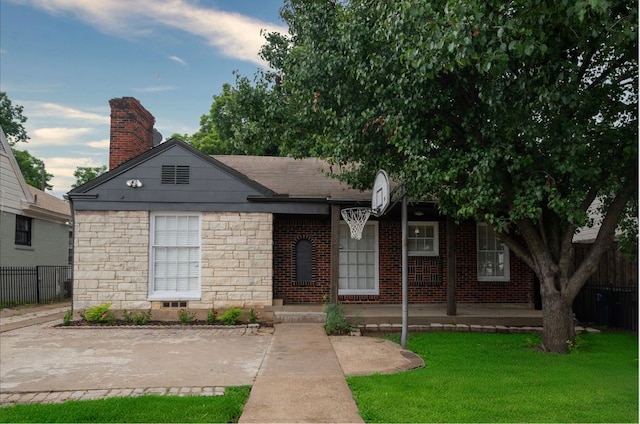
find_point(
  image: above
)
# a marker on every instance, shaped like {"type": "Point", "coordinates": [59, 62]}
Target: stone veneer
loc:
{"type": "Point", "coordinates": [111, 260]}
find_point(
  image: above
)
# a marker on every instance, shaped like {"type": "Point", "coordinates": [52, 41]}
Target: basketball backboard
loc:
{"type": "Point", "coordinates": [380, 197]}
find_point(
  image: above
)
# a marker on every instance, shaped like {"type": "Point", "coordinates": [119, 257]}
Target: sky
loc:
{"type": "Point", "coordinates": [63, 60]}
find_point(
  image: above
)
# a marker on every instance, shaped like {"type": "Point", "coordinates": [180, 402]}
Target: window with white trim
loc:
{"type": "Point", "coordinates": [175, 256]}
{"type": "Point", "coordinates": [359, 261]}
{"type": "Point", "coordinates": [422, 239]}
{"type": "Point", "coordinates": [493, 256]}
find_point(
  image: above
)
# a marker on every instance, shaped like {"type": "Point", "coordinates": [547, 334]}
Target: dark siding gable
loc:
{"type": "Point", "coordinates": [175, 174]}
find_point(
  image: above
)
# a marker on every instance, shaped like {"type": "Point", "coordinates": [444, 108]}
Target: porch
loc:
{"type": "Point", "coordinates": [508, 315]}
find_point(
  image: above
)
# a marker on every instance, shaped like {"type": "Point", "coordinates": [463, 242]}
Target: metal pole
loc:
{"type": "Point", "coordinates": [405, 272]}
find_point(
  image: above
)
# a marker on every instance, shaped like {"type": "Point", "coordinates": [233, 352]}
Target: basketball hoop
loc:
{"type": "Point", "coordinates": [356, 218]}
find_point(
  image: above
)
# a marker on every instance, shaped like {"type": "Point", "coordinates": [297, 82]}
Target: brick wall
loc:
{"type": "Point", "coordinates": [427, 276]}
{"type": "Point", "coordinates": [131, 130]}
{"type": "Point", "coordinates": [287, 231]}
{"type": "Point", "coordinates": [111, 260]}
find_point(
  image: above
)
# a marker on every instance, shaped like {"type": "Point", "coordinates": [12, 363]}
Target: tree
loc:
{"type": "Point", "coordinates": [85, 174]}
{"type": "Point", "coordinates": [12, 121]}
{"type": "Point", "coordinates": [32, 169]}
{"type": "Point", "coordinates": [517, 114]}
{"type": "Point", "coordinates": [240, 121]}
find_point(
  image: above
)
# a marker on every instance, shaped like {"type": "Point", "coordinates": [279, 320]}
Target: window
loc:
{"type": "Point", "coordinates": [23, 230]}
{"type": "Point", "coordinates": [359, 261]}
{"type": "Point", "coordinates": [304, 261]}
{"type": "Point", "coordinates": [175, 256]}
{"type": "Point", "coordinates": [175, 174]}
{"type": "Point", "coordinates": [422, 239]}
{"type": "Point", "coordinates": [493, 256]}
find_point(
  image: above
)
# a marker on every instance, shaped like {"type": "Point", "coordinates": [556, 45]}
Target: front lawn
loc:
{"type": "Point", "coordinates": [143, 409]}
{"type": "Point", "coordinates": [480, 377]}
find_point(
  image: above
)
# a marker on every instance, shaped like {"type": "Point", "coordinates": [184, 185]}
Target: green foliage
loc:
{"type": "Point", "coordinates": [231, 316]}
{"type": "Point", "coordinates": [186, 316]}
{"type": "Point", "coordinates": [143, 409]}
{"type": "Point", "coordinates": [236, 124]}
{"type": "Point", "coordinates": [32, 169]}
{"type": "Point", "coordinates": [67, 318]}
{"type": "Point", "coordinates": [501, 378]}
{"type": "Point", "coordinates": [12, 121]}
{"type": "Point", "coordinates": [212, 316]}
{"type": "Point", "coordinates": [517, 114]}
{"type": "Point", "coordinates": [336, 322]}
{"type": "Point", "coordinates": [253, 317]}
{"type": "Point", "coordinates": [100, 314]}
{"type": "Point", "coordinates": [84, 174]}
{"type": "Point", "coordinates": [140, 318]}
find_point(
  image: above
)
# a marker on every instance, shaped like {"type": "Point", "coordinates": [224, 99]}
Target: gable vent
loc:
{"type": "Point", "coordinates": [175, 174]}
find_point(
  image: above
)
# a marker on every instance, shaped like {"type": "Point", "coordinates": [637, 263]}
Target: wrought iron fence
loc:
{"type": "Point", "coordinates": [612, 306]}
{"type": "Point", "coordinates": [39, 284]}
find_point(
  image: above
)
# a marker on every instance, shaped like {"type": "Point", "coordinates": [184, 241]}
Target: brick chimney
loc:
{"type": "Point", "coordinates": [131, 130]}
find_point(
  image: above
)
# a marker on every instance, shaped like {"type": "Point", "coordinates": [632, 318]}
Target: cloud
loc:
{"type": "Point", "coordinates": [62, 169]}
{"type": "Point", "coordinates": [234, 35]}
{"type": "Point", "coordinates": [154, 89]}
{"type": "Point", "coordinates": [99, 144]}
{"type": "Point", "coordinates": [177, 59]}
{"type": "Point", "coordinates": [56, 136]}
{"type": "Point", "coordinates": [44, 109]}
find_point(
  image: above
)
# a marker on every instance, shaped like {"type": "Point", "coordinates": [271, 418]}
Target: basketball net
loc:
{"type": "Point", "coordinates": [356, 218]}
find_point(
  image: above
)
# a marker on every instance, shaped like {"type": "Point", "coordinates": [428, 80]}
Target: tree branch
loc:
{"type": "Point", "coordinates": [605, 237]}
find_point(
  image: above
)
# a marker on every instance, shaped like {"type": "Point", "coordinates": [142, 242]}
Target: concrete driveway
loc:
{"type": "Point", "coordinates": [45, 358]}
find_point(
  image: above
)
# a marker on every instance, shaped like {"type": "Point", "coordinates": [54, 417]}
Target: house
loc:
{"type": "Point", "coordinates": [34, 225]}
{"type": "Point", "coordinates": [169, 226]}
{"type": "Point", "coordinates": [35, 235]}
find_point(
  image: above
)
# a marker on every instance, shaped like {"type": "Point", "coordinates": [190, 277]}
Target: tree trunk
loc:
{"type": "Point", "coordinates": [557, 320]}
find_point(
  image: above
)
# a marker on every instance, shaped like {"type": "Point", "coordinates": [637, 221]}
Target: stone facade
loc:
{"type": "Point", "coordinates": [112, 260]}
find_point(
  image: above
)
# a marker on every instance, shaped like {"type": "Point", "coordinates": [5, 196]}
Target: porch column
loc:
{"type": "Point", "coordinates": [335, 252]}
{"type": "Point", "coordinates": [451, 266]}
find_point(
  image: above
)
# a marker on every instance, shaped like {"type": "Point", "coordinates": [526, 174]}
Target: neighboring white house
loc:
{"type": "Point", "coordinates": [34, 226]}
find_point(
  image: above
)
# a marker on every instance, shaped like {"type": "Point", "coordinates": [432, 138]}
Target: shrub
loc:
{"type": "Point", "coordinates": [253, 317]}
{"type": "Point", "coordinates": [100, 314]}
{"type": "Point", "coordinates": [127, 316]}
{"type": "Point", "coordinates": [185, 316]}
{"type": "Point", "coordinates": [142, 318]}
{"type": "Point", "coordinates": [212, 316]}
{"type": "Point", "coordinates": [336, 322]}
{"type": "Point", "coordinates": [231, 316]}
{"type": "Point", "coordinates": [67, 318]}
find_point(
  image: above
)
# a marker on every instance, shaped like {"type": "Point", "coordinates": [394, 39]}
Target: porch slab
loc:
{"type": "Point", "coordinates": [427, 314]}
{"type": "Point", "coordinates": [501, 315]}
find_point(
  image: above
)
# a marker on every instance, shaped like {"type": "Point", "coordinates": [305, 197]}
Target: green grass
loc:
{"type": "Point", "coordinates": [480, 377]}
{"type": "Point", "coordinates": [159, 409]}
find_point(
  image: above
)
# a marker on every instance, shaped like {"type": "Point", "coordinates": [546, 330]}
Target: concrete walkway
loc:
{"type": "Point", "coordinates": [301, 380]}
{"type": "Point", "coordinates": [14, 318]}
